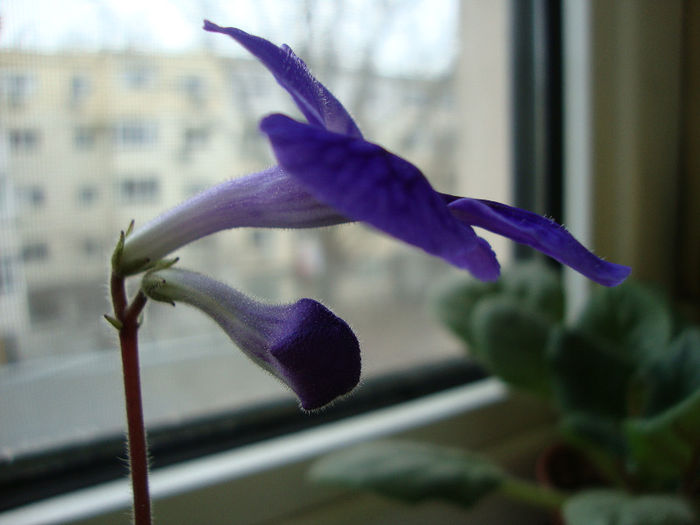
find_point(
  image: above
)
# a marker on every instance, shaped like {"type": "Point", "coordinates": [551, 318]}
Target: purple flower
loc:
{"type": "Point", "coordinates": [328, 174]}
{"type": "Point", "coordinates": [304, 344]}
{"type": "Point", "coordinates": [363, 181]}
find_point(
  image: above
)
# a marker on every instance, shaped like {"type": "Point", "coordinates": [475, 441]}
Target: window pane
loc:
{"type": "Point", "coordinates": [145, 110]}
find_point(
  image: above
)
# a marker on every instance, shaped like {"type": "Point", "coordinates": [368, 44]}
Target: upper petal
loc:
{"type": "Point", "coordinates": [318, 105]}
{"type": "Point", "coordinates": [541, 233]}
{"type": "Point", "coordinates": [365, 182]}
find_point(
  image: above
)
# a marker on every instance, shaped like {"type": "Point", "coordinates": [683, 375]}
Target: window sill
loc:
{"type": "Point", "coordinates": [269, 476]}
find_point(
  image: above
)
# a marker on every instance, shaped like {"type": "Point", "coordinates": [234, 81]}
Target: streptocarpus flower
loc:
{"type": "Point", "coordinates": [304, 344]}
{"type": "Point", "coordinates": [365, 182]}
{"type": "Point", "coordinates": [329, 174]}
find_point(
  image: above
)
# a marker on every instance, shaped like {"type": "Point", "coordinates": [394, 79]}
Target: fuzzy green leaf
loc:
{"type": "Point", "coordinates": [454, 306]}
{"type": "Point", "coordinates": [607, 507]}
{"type": "Point", "coordinates": [629, 318]}
{"type": "Point", "coordinates": [410, 472]}
{"type": "Point", "coordinates": [537, 288]}
{"type": "Point", "coordinates": [674, 375]}
{"type": "Point", "coordinates": [589, 376]}
{"type": "Point", "coordinates": [513, 341]}
{"type": "Point", "coordinates": [663, 446]}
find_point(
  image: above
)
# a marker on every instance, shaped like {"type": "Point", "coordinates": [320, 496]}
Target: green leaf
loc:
{"type": "Point", "coordinates": [532, 285]}
{"type": "Point", "coordinates": [631, 319]}
{"type": "Point", "coordinates": [675, 375]}
{"type": "Point", "coordinates": [513, 341]}
{"type": "Point", "coordinates": [410, 472]}
{"type": "Point", "coordinates": [537, 288]}
{"type": "Point", "coordinates": [663, 446]}
{"type": "Point", "coordinates": [455, 305]}
{"type": "Point", "coordinates": [594, 507]}
{"type": "Point", "coordinates": [589, 376]}
{"type": "Point", "coordinates": [607, 507]}
{"type": "Point", "coordinates": [601, 439]}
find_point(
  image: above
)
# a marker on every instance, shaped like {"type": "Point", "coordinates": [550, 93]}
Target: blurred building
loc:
{"type": "Point", "coordinates": [95, 140]}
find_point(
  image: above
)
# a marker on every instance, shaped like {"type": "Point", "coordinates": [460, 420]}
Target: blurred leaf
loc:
{"type": "Point", "coordinates": [675, 375]}
{"type": "Point", "coordinates": [589, 376]}
{"type": "Point", "coordinates": [533, 285]}
{"type": "Point", "coordinates": [630, 318]}
{"type": "Point", "coordinates": [594, 507]}
{"type": "Point", "coordinates": [607, 507]}
{"type": "Point", "coordinates": [601, 439]}
{"type": "Point", "coordinates": [513, 341]}
{"type": "Point", "coordinates": [410, 472]}
{"type": "Point", "coordinates": [454, 307]}
{"type": "Point", "coordinates": [663, 446]}
{"type": "Point", "coordinates": [536, 287]}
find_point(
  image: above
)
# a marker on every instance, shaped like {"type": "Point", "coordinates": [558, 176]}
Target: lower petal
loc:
{"type": "Point", "coordinates": [540, 233]}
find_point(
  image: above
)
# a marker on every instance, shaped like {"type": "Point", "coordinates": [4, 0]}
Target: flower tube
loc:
{"type": "Point", "coordinates": [304, 344]}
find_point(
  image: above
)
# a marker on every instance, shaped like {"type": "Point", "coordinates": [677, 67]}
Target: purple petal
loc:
{"type": "Point", "coordinates": [367, 183]}
{"type": "Point", "coordinates": [268, 199]}
{"type": "Point", "coordinates": [318, 105]}
{"type": "Point", "coordinates": [540, 233]}
{"type": "Point", "coordinates": [304, 344]}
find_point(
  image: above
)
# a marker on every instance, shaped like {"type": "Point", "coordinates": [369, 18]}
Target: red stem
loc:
{"type": "Point", "coordinates": [137, 448]}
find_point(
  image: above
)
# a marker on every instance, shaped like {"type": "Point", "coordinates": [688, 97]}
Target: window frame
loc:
{"type": "Point", "coordinates": [377, 398]}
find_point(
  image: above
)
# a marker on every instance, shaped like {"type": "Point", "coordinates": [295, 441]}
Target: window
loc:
{"type": "Point", "coordinates": [35, 252]}
{"type": "Point", "coordinates": [135, 134]}
{"type": "Point", "coordinates": [196, 137]}
{"type": "Point", "coordinates": [118, 159]}
{"type": "Point", "coordinates": [7, 275]}
{"type": "Point", "coordinates": [24, 140]}
{"type": "Point", "coordinates": [139, 190]}
{"type": "Point", "coordinates": [91, 247]}
{"type": "Point", "coordinates": [32, 196]}
{"type": "Point", "coordinates": [16, 88]}
{"type": "Point", "coordinates": [87, 195]}
{"type": "Point", "coordinates": [84, 137]}
{"type": "Point", "coordinates": [138, 77]}
{"type": "Point", "coordinates": [194, 87]}
{"type": "Point", "coordinates": [79, 89]}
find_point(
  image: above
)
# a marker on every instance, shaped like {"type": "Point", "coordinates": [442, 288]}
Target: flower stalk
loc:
{"type": "Point", "coordinates": [126, 320]}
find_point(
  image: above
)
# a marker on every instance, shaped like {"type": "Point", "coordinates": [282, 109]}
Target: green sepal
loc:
{"type": "Point", "coordinates": [410, 472]}
{"type": "Point", "coordinates": [116, 323]}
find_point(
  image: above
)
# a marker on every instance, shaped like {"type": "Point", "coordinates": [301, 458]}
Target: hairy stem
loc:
{"type": "Point", "coordinates": [128, 316]}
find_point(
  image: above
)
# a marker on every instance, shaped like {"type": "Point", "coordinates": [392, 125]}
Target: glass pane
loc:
{"type": "Point", "coordinates": [112, 111]}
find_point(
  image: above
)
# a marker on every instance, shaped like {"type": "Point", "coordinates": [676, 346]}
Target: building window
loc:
{"type": "Point", "coordinates": [79, 89]}
{"type": "Point", "coordinates": [135, 134]}
{"type": "Point", "coordinates": [84, 137]}
{"type": "Point", "coordinates": [138, 77]}
{"type": "Point", "coordinates": [16, 88]}
{"type": "Point", "coordinates": [87, 195]}
{"type": "Point", "coordinates": [7, 275]}
{"type": "Point", "coordinates": [32, 196]}
{"type": "Point", "coordinates": [24, 140]}
{"type": "Point", "coordinates": [141, 190]}
{"type": "Point", "coordinates": [35, 252]}
{"type": "Point", "coordinates": [91, 247]}
{"type": "Point", "coordinates": [196, 138]}
{"type": "Point", "coordinates": [194, 88]}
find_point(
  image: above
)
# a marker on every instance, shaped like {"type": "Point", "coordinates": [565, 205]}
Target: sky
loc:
{"type": "Point", "coordinates": [418, 37]}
